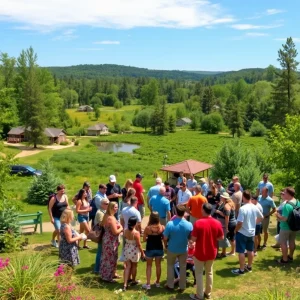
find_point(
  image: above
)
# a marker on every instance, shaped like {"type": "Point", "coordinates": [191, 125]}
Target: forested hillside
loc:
{"type": "Point", "coordinates": [106, 70]}
{"type": "Point", "coordinates": [247, 100]}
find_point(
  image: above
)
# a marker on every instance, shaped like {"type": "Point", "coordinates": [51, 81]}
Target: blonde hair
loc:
{"type": "Point", "coordinates": [214, 189]}
{"type": "Point", "coordinates": [128, 184]}
{"type": "Point", "coordinates": [109, 212]}
{"type": "Point", "coordinates": [67, 216]}
{"type": "Point", "coordinates": [130, 193]}
{"type": "Point", "coordinates": [231, 203]}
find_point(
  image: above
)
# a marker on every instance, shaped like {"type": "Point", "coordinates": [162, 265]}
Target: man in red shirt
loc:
{"type": "Point", "coordinates": [206, 233]}
{"type": "Point", "coordinates": [139, 190]}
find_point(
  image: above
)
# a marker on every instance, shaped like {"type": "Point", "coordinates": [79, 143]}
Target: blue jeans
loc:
{"type": "Point", "coordinates": [98, 258]}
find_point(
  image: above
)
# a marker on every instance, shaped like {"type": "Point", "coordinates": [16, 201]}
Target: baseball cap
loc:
{"type": "Point", "coordinates": [219, 181]}
{"type": "Point", "coordinates": [86, 184]}
{"type": "Point", "coordinates": [112, 178]}
{"type": "Point", "coordinates": [139, 175]}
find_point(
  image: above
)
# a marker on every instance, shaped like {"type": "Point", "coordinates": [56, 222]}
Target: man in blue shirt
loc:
{"type": "Point", "coordinates": [162, 205]}
{"type": "Point", "coordinates": [204, 186]}
{"type": "Point", "coordinates": [176, 236]}
{"type": "Point", "coordinates": [154, 190]}
{"type": "Point", "coordinates": [265, 183]}
{"type": "Point", "coordinates": [100, 195]}
{"type": "Point", "coordinates": [269, 208]}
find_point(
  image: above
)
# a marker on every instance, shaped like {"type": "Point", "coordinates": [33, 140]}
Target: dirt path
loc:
{"type": "Point", "coordinates": [48, 226]}
{"type": "Point", "coordinates": [28, 151]}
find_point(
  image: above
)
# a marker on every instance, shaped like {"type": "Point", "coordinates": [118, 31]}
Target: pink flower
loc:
{"type": "Point", "coordinates": [288, 295]}
{"type": "Point", "coordinates": [25, 268]}
{"type": "Point", "coordinates": [10, 290]}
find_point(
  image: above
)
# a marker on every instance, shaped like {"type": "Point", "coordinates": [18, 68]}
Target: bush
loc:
{"type": "Point", "coordinates": [64, 143]}
{"type": "Point", "coordinates": [212, 123]}
{"type": "Point", "coordinates": [118, 104]}
{"type": "Point", "coordinates": [257, 129]}
{"type": "Point", "coordinates": [76, 143]}
{"type": "Point", "coordinates": [43, 186]}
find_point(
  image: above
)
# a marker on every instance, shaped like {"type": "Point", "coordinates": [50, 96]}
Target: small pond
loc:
{"type": "Point", "coordinates": [116, 147]}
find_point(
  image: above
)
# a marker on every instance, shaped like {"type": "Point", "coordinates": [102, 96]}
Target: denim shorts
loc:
{"type": "Point", "coordinates": [258, 229]}
{"type": "Point", "coordinates": [82, 218]}
{"type": "Point", "coordinates": [154, 253]}
{"type": "Point", "coordinates": [244, 243]}
{"type": "Point", "coordinates": [57, 223]}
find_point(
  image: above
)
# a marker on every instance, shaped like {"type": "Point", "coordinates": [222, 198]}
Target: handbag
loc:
{"type": "Point", "coordinates": [96, 234]}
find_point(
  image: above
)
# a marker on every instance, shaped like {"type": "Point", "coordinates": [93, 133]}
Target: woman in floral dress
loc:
{"type": "Point", "coordinates": [68, 250]}
{"type": "Point", "coordinates": [110, 244]}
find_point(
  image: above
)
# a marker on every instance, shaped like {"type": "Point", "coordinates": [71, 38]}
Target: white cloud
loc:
{"type": "Point", "coordinates": [274, 11]}
{"type": "Point", "coordinates": [107, 43]}
{"type": "Point", "coordinates": [90, 49]}
{"type": "Point", "coordinates": [66, 35]}
{"type": "Point", "coordinates": [256, 34]}
{"type": "Point", "coordinates": [55, 14]}
{"type": "Point", "coordinates": [295, 39]}
{"type": "Point", "coordinates": [251, 26]}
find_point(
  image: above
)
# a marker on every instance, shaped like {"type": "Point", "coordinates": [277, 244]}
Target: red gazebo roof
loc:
{"type": "Point", "coordinates": [189, 166]}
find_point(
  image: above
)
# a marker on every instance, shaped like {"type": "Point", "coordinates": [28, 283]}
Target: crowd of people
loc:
{"type": "Point", "coordinates": [192, 223]}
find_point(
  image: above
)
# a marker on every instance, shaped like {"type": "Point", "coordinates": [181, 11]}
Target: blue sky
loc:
{"type": "Point", "coordinates": [157, 34]}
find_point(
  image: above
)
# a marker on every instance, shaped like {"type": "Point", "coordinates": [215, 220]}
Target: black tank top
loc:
{"type": "Point", "coordinates": [58, 207]}
{"type": "Point", "coordinates": [154, 241]}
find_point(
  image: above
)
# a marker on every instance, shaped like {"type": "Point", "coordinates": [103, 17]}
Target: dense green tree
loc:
{"type": "Point", "coordinates": [212, 123]}
{"type": "Point", "coordinates": [143, 118]}
{"type": "Point", "coordinates": [196, 118]}
{"type": "Point", "coordinates": [284, 91]}
{"type": "Point", "coordinates": [7, 69]}
{"type": "Point", "coordinates": [171, 124]}
{"type": "Point", "coordinates": [124, 92]}
{"type": "Point", "coordinates": [285, 150]}
{"type": "Point", "coordinates": [97, 112]}
{"type": "Point", "coordinates": [118, 104]}
{"type": "Point", "coordinates": [149, 93]}
{"type": "Point", "coordinates": [257, 129]}
{"type": "Point", "coordinates": [180, 111]}
{"type": "Point", "coordinates": [70, 98]}
{"type": "Point", "coordinates": [208, 100]}
{"type": "Point", "coordinates": [181, 95]}
{"type": "Point", "coordinates": [240, 89]}
{"type": "Point", "coordinates": [235, 121]}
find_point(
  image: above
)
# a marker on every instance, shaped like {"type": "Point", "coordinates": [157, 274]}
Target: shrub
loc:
{"type": "Point", "coordinates": [76, 143]}
{"type": "Point", "coordinates": [212, 123]}
{"type": "Point", "coordinates": [257, 129]}
{"type": "Point", "coordinates": [64, 143]}
{"type": "Point", "coordinates": [44, 185]}
{"type": "Point", "coordinates": [118, 104]}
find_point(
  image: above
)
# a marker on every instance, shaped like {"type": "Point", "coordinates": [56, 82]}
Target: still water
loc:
{"type": "Point", "coordinates": [116, 147]}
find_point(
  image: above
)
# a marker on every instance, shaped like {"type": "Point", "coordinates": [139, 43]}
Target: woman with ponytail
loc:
{"type": "Point", "coordinates": [132, 251]}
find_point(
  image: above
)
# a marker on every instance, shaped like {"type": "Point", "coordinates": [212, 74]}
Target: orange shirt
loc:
{"type": "Point", "coordinates": [195, 205]}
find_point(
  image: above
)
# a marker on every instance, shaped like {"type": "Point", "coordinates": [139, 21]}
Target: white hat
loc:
{"type": "Point", "coordinates": [112, 178]}
{"type": "Point", "coordinates": [158, 180]}
{"type": "Point", "coordinates": [202, 180]}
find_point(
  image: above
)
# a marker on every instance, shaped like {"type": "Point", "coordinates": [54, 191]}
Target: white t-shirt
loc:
{"type": "Point", "coordinates": [260, 209]}
{"type": "Point", "coordinates": [128, 212]}
{"type": "Point", "coordinates": [183, 197]}
{"type": "Point", "coordinates": [247, 215]}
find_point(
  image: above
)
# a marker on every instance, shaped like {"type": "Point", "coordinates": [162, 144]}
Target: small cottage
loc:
{"type": "Point", "coordinates": [183, 122]}
{"type": "Point", "coordinates": [18, 135]}
{"type": "Point", "coordinates": [97, 129]}
{"type": "Point", "coordinates": [85, 108]}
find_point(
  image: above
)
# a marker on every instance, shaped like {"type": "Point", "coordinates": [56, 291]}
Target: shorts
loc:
{"type": "Point", "coordinates": [287, 236]}
{"type": "Point", "coordinates": [244, 243]}
{"type": "Point", "coordinates": [163, 221]}
{"type": "Point", "coordinates": [258, 229]}
{"type": "Point", "coordinates": [154, 253]}
{"type": "Point", "coordinates": [82, 218]}
{"type": "Point", "coordinates": [57, 223]}
{"type": "Point", "coordinates": [231, 234]}
{"type": "Point", "coordinates": [141, 209]}
{"type": "Point", "coordinates": [265, 224]}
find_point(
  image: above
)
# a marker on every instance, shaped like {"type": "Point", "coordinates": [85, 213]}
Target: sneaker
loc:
{"type": "Point", "coordinates": [263, 247]}
{"type": "Point", "coordinates": [290, 258]}
{"type": "Point", "coordinates": [146, 286]}
{"type": "Point", "coordinates": [157, 284]}
{"type": "Point", "coordinates": [255, 253]}
{"type": "Point", "coordinates": [248, 269]}
{"type": "Point", "coordinates": [54, 244]}
{"type": "Point", "coordinates": [206, 296]}
{"type": "Point", "coordinates": [237, 272]}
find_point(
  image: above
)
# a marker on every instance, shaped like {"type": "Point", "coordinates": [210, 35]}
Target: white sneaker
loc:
{"type": "Point", "coordinates": [157, 284]}
{"type": "Point", "coordinates": [146, 286]}
{"type": "Point", "coordinates": [54, 244]}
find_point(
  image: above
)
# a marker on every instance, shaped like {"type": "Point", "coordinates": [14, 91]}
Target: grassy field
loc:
{"type": "Point", "coordinates": [264, 282]}
{"type": "Point", "coordinates": [107, 115]}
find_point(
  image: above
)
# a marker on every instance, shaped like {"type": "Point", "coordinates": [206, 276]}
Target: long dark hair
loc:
{"type": "Point", "coordinates": [154, 218]}
{"type": "Point", "coordinates": [80, 194]}
{"type": "Point", "coordinates": [132, 222]}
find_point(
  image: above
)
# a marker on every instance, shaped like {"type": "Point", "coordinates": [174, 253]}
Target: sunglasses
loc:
{"type": "Point", "coordinates": [105, 203]}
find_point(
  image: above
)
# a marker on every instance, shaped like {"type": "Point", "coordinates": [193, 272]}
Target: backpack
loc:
{"type": "Point", "coordinates": [294, 217]}
{"type": "Point", "coordinates": [96, 234]}
{"type": "Point", "coordinates": [93, 212]}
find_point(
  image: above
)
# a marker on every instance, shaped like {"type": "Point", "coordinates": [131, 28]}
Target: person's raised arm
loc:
{"type": "Point", "coordinates": [113, 225]}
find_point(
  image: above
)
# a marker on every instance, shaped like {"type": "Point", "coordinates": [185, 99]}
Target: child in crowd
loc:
{"type": "Point", "coordinates": [189, 263]}
{"type": "Point", "coordinates": [132, 251]}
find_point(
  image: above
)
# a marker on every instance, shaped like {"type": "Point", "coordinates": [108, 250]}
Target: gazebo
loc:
{"type": "Point", "coordinates": [188, 167]}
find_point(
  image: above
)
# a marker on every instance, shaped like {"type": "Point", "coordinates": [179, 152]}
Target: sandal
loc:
{"type": "Point", "coordinates": [86, 247]}
{"type": "Point", "coordinates": [136, 282]}
{"type": "Point", "coordinates": [125, 288]}
{"type": "Point", "coordinates": [221, 255]}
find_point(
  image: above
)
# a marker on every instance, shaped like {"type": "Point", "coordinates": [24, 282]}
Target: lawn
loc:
{"type": "Point", "coordinates": [266, 277]}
